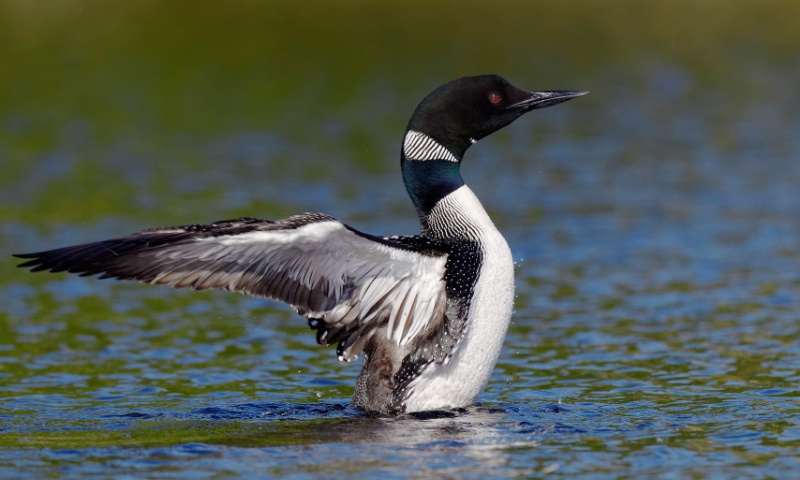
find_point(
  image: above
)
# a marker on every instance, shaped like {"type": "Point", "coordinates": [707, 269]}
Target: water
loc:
{"type": "Point", "coordinates": [654, 225]}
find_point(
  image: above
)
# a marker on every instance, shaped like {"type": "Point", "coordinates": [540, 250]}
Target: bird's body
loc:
{"type": "Point", "coordinates": [489, 265]}
{"type": "Point", "coordinates": [428, 312]}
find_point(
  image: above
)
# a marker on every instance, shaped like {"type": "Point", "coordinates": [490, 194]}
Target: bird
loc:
{"type": "Point", "coordinates": [428, 312]}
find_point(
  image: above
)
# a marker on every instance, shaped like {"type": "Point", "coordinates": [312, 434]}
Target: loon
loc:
{"type": "Point", "coordinates": [429, 312]}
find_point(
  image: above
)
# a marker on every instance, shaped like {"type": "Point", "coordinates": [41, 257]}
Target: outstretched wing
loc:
{"type": "Point", "coordinates": [349, 284]}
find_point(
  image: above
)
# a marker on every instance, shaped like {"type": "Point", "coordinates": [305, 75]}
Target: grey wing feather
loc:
{"type": "Point", "coordinates": [354, 283]}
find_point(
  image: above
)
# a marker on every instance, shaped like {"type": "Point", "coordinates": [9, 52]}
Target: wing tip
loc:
{"type": "Point", "coordinates": [34, 262]}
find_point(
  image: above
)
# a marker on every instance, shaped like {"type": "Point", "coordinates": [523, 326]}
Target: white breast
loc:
{"type": "Point", "coordinates": [458, 382]}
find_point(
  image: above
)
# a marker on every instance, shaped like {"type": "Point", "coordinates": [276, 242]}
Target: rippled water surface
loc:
{"type": "Point", "coordinates": [655, 225]}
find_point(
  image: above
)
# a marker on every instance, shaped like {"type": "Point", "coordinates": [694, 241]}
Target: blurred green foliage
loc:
{"type": "Point", "coordinates": [219, 67]}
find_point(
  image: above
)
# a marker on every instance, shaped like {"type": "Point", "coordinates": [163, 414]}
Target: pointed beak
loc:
{"type": "Point", "coordinates": [547, 98]}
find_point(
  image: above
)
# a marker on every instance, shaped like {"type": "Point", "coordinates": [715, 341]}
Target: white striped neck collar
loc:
{"type": "Point", "coordinates": [418, 146]}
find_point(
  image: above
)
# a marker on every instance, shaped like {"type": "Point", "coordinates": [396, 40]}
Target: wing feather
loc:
{"type": "Point", "coordinates": [356, 284]}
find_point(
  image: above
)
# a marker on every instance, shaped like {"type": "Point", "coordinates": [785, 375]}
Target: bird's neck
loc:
{"type": "Point", "coordinates": [431, 171]}
{"type": "Point", "coordinates": [428, 181]}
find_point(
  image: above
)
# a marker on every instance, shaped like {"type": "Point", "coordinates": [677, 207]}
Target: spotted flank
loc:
{"type": "Point", "coordinates": [418, 146]}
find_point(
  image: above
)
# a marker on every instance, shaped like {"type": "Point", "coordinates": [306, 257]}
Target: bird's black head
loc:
{"type": "Point", "coordinates": [453, 117]}
{"type": "Point", "coordinates": [462, 111]}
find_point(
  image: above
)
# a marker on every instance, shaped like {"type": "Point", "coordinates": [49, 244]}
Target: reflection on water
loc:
{"type": "Point", "coordinates": [654, 225]}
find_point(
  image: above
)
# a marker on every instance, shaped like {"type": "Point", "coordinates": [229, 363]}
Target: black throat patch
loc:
{"type": "Point", "coordinates": [428, 181]}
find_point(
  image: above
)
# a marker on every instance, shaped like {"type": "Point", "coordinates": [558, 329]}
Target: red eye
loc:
{"type": "Point", "coordinates": [495, 98]}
